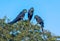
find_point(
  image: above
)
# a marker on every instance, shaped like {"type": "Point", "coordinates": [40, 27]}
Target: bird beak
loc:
{"type": "Point", "coordinates": [25, 11]}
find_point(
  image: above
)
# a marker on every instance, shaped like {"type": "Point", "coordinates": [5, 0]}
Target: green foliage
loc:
{"type": "Point", "coordinates": [26, 31]}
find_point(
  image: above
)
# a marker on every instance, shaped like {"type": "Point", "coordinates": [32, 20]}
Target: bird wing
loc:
{"type": "Point", "coordinates": [19, 17]}
{"type": "Point", "coordinates": [30, 14]}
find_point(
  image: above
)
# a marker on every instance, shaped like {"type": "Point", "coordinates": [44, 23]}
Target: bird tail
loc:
{"type": "Point", "coordinates": [42, 29]}
{"type": "Point", "coordinates": [42, 25]}
{"type": "Point", "coordinates": [12, 22]}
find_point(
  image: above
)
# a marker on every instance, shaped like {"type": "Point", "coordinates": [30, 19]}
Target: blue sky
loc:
{"type": "Point", "coordinates": [49, 10]}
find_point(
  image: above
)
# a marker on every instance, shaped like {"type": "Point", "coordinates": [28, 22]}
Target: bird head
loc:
{"type": "Point", "coordinates": [24, 10]}
{"type": "Point", "coordinates": [36, 16]}
{"type": "Point", "coordinates": [31, 9]}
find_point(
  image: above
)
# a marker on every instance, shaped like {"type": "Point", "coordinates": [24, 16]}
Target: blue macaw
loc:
{"type": "Point", "coordinates": [30, 13]}
{"type": "Point", "coordinates": [19, 17]}
{"type": "Point", "coordinates": [39, 20]}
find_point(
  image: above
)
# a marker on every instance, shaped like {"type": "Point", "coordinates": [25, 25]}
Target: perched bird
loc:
{"type": "Point", "coordinates": [30, 13]}
{"type": "Point", "coordinates": [19, 17]}
{"type": "Point", "coordinates": [39, 20]}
